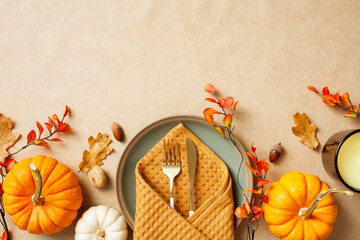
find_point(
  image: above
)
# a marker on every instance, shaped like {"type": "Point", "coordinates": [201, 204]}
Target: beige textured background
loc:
{"type": "Point", "coordinates": [135, 62]}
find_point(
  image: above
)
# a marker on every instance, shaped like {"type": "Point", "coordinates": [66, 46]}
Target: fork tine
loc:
{"type": "Point", "coordinates": [168, 152]}
{"type": "Point", "coordinates": [177, 161]}
{"type": "Point", "coordinates": [172, 153]}
{"type": "Point", "coordinates": [164, 153]}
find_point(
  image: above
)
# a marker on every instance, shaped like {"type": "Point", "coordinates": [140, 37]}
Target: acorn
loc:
{"type": "Point", "coordinates": [275, 152]}
{"type": "Point", "coordinates": [117, 131]}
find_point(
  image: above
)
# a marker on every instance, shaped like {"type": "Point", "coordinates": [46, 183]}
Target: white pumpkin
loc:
{"type": "Point", "coordinates": [101, 223]}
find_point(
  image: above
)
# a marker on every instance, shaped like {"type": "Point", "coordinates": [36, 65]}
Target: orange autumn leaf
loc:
{"type": "Point", "coordinates": [259, 191]}
{"type": "Point", "coordinates": [235, 105]}
{"type": "Point", "coordinates": [252, 157]}
{"type": "Point", "coordinates": [210, 111]}
{"type": "Point", "coordinates": [49, 124]}
{"type": "Point", "coordinates": [56, 140]}
{"type": "Point", "coordinates": [64, 127]}
{"type": "Point", "coordinates": [210, 119]}
{"type": "Point", "coordinates": [262, 165]}
{"type": "Point", "coordinates": [263, 198]}
{"type": "Point", "coordinates": [211, 100]}
{"type": "Point", "coordinates": [31, 136]}
{"type": "Point", "coordinates": [267, 168]}
{"type": "Point", "coordinates": [209, 88]}
{"type": "Point", "coordinates": [40, 128]}
{"type": "Point", "coordinates": [4, 236]}
{"type": "Point", "coordinates": [262, 183]}
{"type": "Point", "coordinates": [66, 111]}
{"type": "Point", "coordinates": [325, 91]}
{"type": "Point", "coordinates": [228, 120]}
{"type": "Point", "coordinates": [305, 131]}
{"type": "Point", "coordinates": [351, 113]}
{"type": "Point", "coordinates": [312, 89]}
{"type": "Point", "coordinates": [240, 212]}
{"type": "Point", "coordinates": [254, 171]}
{"type": "Point", "coordinates": [9, 164]}
{"type": "Point", "coordinates": [345, 98]}
{"type": "Point", "coordinates": [55, 117]}
{"type": "Point", "coordinates": [253, 149]}
{"type": "Point", "coordinates": [352, 109]}
{"type": "Point", "coordinates": [337, 99]}
{"type": "Point", "coordinates": [98, 150]}
{"type": "Point", "coordinates": [329, 100]}
{"type": "Point", "coordinates": [227, 102]}
{"type": "Point", "coordinates": [220, 131]}
{"type": "Point", "coordinates": [40, 142]}
{"type": "Point", "coordinates": [257, 211]}
{"type": "Point", "coordinates": [243, 212]}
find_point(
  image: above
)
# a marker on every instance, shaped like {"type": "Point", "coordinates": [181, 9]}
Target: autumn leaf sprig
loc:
{"type": "Point", "coordinates": [336, 100]}
{"type": "Point", "coordinates": [251, 209]}
{"type": "Point", "coordinates": [32, 139]}
{"type": "Point", "coordinates": [223, 103]}
{"type": "Point", "coordinates": [58, 126]}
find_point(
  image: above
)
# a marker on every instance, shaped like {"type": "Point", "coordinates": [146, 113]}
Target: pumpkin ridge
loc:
{"type": "Point", "coordinates": [292, 198]}
{"type": "Point", "coordinates": [56, 191]}
{"type": "Point", "coordinates": [46, 208]}
{"type": "Point", "coordinates": [26, 195]}
{"type": "Point", "coordinates": [101, 224]}
{"type": "Point", "coordinates": [296, 222]}
{"type": "Point", "coordinates": [313, 227]}
{"type": "Point", "coordinates": [48, 219]}
{"type": "Point", "coordinates": [58, 174]}
{"type": "Point", "coordinates": [62, 207]}
{"type": "Point", "coordinates": [17, 217]}
{"type": "Point", "coordinates": [23, 206]}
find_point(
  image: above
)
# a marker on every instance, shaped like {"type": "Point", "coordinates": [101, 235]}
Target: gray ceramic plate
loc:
{"type": "Point", "coordinates": [149, 136]}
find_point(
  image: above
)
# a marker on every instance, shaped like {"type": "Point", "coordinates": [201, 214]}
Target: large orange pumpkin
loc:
{"type": "Point", "coordinates": [300, 206]}
{"type": "Point", "coordinates": [42, 195]}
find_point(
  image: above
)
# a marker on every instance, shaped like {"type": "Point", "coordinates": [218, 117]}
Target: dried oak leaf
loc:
{"type": "Point", "coordinates": [7, 137]}
{"type": "Point", "coordinates": [305, 131]}
{"type": "Point", "coordinates": [98, 151]}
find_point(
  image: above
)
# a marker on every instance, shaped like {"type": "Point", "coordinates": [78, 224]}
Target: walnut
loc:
{"type": "Point", "coordinates": [97, 177]}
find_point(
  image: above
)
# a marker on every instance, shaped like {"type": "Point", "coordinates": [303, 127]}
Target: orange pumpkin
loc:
{"type": "Point", "coordinates": [42, 195]}
{"type": "Point", "coordinates": [300, 206]}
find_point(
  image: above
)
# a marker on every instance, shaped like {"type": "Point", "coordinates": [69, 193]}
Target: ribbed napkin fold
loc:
{"type": "Point", "coordinates": [213, 199]}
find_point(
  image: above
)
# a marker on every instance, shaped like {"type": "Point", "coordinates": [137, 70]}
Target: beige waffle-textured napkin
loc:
{"type": "Point", "coordinates": [214, 206]}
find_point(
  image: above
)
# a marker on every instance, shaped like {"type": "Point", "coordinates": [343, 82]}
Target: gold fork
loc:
{"type": "Point", "coordinates": [171, 164]}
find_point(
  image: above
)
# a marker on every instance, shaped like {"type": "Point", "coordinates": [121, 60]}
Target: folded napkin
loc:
{"type": "Point", "coordinates": [213, 200]}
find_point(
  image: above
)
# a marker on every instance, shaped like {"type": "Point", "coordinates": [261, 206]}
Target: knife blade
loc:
{"type": "Point", "coordinates": [192, 158]}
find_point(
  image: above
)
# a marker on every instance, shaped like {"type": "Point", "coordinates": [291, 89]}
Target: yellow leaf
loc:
{"type": "Point", "coordinates": [7, 137]}
{"type": "Point", "coordinates": [98, 151]}
{"type": "Point", "coordinates": [305, 131]}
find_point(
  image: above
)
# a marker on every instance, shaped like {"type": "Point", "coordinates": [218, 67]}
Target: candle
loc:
{"type": "Point", "coordinates": [347, 160]}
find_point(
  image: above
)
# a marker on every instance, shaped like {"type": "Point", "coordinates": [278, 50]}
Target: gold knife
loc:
{"type": "Point", "coordinates": [192, 157]}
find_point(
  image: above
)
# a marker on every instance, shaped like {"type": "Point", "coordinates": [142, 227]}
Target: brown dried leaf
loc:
{"type": "Point", "coordinates": [7, 137]}
{"type": "Point", "coordinates": [305, 131]}
{"type": "Point", "coordinates": [98, 151]}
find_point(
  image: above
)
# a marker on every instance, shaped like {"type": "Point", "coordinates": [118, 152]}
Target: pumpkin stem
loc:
{"type": "Point", "coordinates": [305, 212]}
{"type": "Point", "coordinates": [37, 198]}
{"type": "Point", "coordinates": [100, 233]}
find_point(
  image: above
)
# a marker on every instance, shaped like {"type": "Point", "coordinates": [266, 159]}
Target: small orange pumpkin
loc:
{"type": "Point", "coordinates": [301, 206]}
{"type": "Point", "coordinates": [42, 195]}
